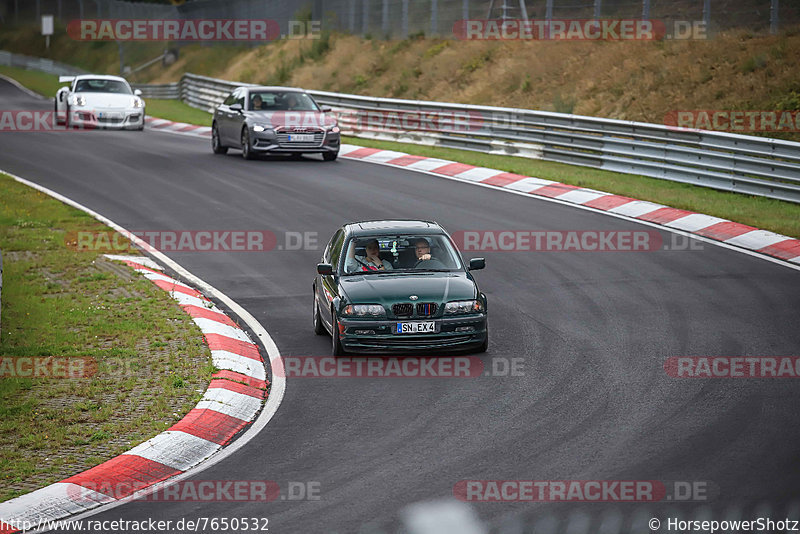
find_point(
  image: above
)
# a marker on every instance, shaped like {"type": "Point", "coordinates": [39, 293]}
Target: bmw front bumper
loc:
{"type": "Point", "coordinates": [452, 333]}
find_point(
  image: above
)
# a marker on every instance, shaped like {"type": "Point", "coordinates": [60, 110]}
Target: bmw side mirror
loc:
{"type": "Point", "coordinates": [137, 92]}
{"type": "Point", "coordinates": [326, 109]}
{"type": "Point", "coordinates": [236, 107]}
{"type": "Point", "coordinates": [476, 264]}
{"type": "Point", "coordinates": [325, 269]}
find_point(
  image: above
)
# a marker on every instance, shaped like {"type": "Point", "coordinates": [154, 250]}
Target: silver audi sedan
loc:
{"type": "Point", "coordinates": [274, 120]}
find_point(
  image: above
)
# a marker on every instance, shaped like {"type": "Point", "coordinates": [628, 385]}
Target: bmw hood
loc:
{"type": "Point", "coordinates": [389, 288]}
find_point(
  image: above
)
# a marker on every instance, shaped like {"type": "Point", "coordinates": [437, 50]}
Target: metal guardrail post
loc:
{"type": "Point", "coordinates": [405, 19]}
{"type": "Point", "coordinates": [773, 17]}
{"type": "Point", "coordinates": [434, 17]}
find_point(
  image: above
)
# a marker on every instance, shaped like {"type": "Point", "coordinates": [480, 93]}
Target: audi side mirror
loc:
{"type": "Point", "coordinates": [325, 269]}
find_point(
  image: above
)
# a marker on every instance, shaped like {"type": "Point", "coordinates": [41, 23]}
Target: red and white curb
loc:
{"type": "Point", "coordinates": [731, 233]}
{"type": "Point", "coordinates": [232, 401]}
{"type": "Point", "coordinates": [177, 127]}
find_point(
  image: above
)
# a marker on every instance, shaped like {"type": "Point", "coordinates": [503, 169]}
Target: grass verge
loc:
{"type": "Point", "coordinates": [765, 213]}
{"type": "Point", "coordinates": [38, 82]}
{"type": "Point", "coordinates": [152, 365]}
{"type": "Point", "coordinates": [175, 110]}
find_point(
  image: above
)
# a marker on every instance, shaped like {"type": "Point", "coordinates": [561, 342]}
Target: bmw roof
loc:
{"type": "Point", "coordinates": [399, 226]}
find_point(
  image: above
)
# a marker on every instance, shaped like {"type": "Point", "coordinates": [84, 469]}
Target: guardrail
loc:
{"type": "Point", "coordinates": [729, 162]}
{"type": "Point", "coordinates": [37, 63]}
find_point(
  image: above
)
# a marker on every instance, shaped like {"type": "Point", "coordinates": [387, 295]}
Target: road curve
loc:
{"type": "Point", "coordinates": [594, 330]}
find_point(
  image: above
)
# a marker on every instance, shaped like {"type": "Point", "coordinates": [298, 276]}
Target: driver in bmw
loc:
{"type": "Point", "coordinates": [423, 249]}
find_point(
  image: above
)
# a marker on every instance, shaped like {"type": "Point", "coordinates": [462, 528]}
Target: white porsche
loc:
{"type": "Point", "coordinates": [99, 101]}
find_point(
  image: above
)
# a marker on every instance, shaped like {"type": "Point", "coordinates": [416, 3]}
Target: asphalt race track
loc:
{"type": "Point", "coordinates": [594, 329]}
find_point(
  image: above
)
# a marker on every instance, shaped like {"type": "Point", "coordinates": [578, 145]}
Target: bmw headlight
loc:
{"type": "Point", "coordinates": [262, 128]}
{"type": "Point", "coordinates": [78, 100]}
{"type": "Point", "coordinates": [463, 306]}
{"type": "Point", "coordinates": [136, 102]}
{"type": "Point", "coordinates": [364, 310]}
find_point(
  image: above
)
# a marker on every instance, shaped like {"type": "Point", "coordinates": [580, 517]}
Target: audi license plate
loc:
{"type": "Point", "coordinates": [416, 328]}
{"type": "Point", "coordinates": [302, 138]}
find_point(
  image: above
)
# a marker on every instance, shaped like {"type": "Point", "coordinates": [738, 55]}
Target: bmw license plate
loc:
{"type": "Point", "coordinates": [302, 138]}
{"type": "Point", "coordinates": [416, 328]}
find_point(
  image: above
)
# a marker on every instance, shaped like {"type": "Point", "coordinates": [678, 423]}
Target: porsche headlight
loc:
{"type": "Point", "coordinates": [463, 306]}
{"type": "Point", "coordinates": [78, 100]}
{"type": "Point", "coordinates": [262, 128]}
{"type": "Point", "coordinates": [136, 102]}
{"type": "Point", "coordinates": [364, 310]}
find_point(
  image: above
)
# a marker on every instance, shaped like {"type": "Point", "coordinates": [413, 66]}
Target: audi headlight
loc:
{"type": "Point", "coordinates": [334, 129]}
{"type": "Point", "coordinates": [262, 128]}
{"type": "Point", "coordinates": [364, 310]}
{"type": "Point", "coordinates": [136, 102]}
{"type": "Point", "coordinates": [78, 100]}
{"type": "Point", "coordinates": [463, 306]}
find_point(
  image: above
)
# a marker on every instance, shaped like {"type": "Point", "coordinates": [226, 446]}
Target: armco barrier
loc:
{"type": "Point", "coordinates": [729, 162]}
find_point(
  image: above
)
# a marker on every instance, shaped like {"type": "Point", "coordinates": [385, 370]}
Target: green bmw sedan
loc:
{"type": "Point", "coordinates": [398, 286]}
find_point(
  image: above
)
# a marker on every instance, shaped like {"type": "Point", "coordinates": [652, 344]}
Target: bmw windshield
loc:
{"type": "Point", "coordinates": [400, 253]}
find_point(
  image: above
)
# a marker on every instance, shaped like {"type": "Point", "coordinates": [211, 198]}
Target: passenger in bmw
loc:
{"type": "Point", "coordinates": [371, 262]}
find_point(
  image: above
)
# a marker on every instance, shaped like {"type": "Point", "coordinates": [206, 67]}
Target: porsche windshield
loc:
{"type": "Point", "coordinates": [400, 253]}
{"type": "Point", "coordinates": [102, 86]}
